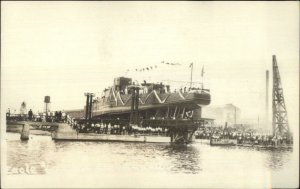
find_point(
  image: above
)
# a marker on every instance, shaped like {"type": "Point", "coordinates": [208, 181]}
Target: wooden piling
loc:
{"type": "Point", "coordinates": [25, 132]}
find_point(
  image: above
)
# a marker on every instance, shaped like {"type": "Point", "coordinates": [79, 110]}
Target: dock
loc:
{"type": "Point", "coordinates": [65, 132]}
{"type": "Point", "coordinates": [16, 126]}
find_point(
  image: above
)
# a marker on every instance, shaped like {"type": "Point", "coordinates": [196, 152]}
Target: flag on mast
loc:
{"type": "Point", "coordinates": [202, 72]}
{"type": "Point", "coordinates": [191, 66]}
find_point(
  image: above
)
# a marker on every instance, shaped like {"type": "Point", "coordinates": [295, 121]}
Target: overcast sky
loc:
{"type": "Point", "coordinates": [64, 49]}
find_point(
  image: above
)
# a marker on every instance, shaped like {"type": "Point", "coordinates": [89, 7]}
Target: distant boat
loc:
{"type": "Point", "coordinates": [223, 142]}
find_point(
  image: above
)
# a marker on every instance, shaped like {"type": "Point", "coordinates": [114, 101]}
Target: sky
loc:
{"type": "Point", "coordinates": [64, 49]}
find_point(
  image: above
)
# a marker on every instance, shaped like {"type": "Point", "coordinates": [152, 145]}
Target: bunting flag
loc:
{"type": "Point", "coordinates": [149, 68]}
{"type": "Point", "coordinates": [126, 71]}
{"type": "Point", "coordinates": [170, 63]}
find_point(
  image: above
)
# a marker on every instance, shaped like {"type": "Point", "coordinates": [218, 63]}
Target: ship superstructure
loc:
{"type": "Point", "coordinates": [155, 101]}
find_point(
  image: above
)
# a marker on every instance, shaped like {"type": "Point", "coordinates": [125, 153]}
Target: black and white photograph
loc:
{"type": "Point", "coordinates": [149, 94]}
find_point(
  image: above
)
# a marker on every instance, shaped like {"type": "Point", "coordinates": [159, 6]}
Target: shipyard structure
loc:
{"type": "Point", "coordinates": [147, 105]}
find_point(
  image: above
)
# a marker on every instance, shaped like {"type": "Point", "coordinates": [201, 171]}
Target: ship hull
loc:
{"type": "Point", "coordinates": [121, 104]}
{"type": "Point", "coordinates": [112, 138]}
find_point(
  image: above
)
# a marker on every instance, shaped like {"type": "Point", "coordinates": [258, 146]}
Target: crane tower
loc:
{"type": "Point", "coordinates": [280, 119]}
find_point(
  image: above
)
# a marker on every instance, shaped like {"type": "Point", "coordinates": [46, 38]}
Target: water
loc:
{"type": "Point", "coordinates": [200, 165]}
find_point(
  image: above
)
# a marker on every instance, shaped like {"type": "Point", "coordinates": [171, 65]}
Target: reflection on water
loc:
{"type": "Point", "coordinates": [49, 157]}
{"type": "Point", "coordinates": [32, 153]}
{"type": "Point", "coordinates": [276, 159]}
{"type": "Point", "coordinates": [185, 159]}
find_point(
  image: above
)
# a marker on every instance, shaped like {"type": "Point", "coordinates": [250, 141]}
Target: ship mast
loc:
{"type": "Point", "coordinates": [202, 74]}
{"type": "Point", "coordinates": [191, 66]}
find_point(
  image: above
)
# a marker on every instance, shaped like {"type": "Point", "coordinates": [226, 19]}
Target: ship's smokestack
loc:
{"type": "Point", "coordinates": [267, 99]}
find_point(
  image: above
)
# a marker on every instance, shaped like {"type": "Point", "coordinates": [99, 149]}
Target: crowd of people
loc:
{"type": "Point", "coordinates": [108, 128]}
{"type": "Point", "coordinates": [57, 116]}
{"type": "Point", "coordinates": [243, 136]}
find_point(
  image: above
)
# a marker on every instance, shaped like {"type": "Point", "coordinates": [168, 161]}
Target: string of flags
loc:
{"type": "Point", "coordinates": [149, 68]}
{"type": "Point", "coordinates": [170, 63]}
{"type": "Point", "coordinates": [146, 68]}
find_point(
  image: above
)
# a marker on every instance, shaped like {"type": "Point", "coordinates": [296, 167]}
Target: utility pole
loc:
{"type": "Point", "coordinates": [202, 75]}
{"type": "Point", "coordinates": [267, 100]}
{"type": "Point", "coordinates": [235, 115]}
{"type": "Point", "coordinates": [134, 113]}
{"type": "Point", "coordinates": [137, 91]}
{"type": "Point", "coordinates": [132, 105]}
{"type": "Point", "coordinates": [88, 107]}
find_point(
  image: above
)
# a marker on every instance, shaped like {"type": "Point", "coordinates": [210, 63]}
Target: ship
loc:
{"type": "Point", "coordinates": [155, 101]}
{"type": "Point", "coordinates": [147, 112]}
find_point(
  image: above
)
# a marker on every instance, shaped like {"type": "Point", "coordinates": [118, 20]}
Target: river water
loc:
{"type": "Point", "coordinates": [117, 164]}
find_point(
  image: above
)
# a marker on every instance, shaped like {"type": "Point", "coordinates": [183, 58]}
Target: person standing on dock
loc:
{"type": "Point", "coordinates": [8, 114]}
{"type": "Point", "coordinates": [97, 128]}
{"type": "Point", "coordinates": [93, 127]}
{"type": "Point", "coordinates": [59, 116]}
{"type": "Point", "coordinates": [56, 116]}
{"type": "Point", "coordinates": [30, 114]}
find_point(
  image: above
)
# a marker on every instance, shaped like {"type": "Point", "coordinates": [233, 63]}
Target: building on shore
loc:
{"type": "Point", "coordinates": [227, 114]}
